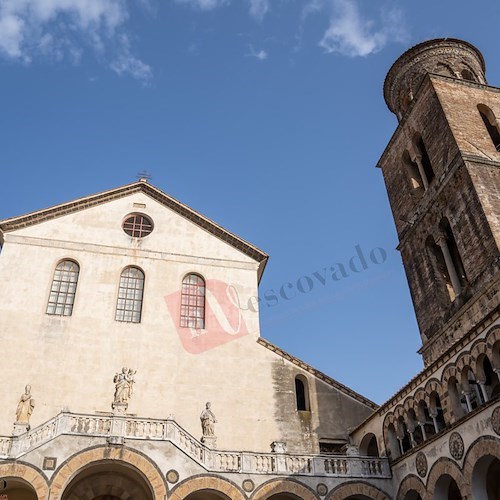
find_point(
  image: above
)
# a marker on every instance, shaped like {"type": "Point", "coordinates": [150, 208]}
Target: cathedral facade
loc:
{"type": "Point", "coordinates": [142, 374]}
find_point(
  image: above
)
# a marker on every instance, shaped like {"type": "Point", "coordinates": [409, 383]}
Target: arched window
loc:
{"type": "Point", "coordinates": [63, 289]}
{"type": "Point", "coordinates": [437, 256]}
{"type": "Point", "coordinates": [130, 293]}
{"type": "Point", "coordinates": [458, 403]}
{"type": "Point", "coordinates": [403, 435]}
{"type": "Point", "coordinates": [467, 75]}
{"type": "Point", "coordinates": [436, 412]}
{"type": "Point", "coordinates": [424, 159]}
{"type": "Point", "coordinates": [425, 420]}
{"type": "Point", "coordinates": [193, 301]}
{"type": "Point", "coordinates": [393, 449]}
{"type": "Point", "coordinates": [491, 124]}
{"type": "Point", "coordinates": [302, 393]}
{"type": "Point", "coordinates": [456, 261]}
{"type": "Point", "coordinates": [413, 172]}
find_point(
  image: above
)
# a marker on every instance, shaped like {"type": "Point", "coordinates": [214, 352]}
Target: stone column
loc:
{"type": "Point", "coordinates": [467, 400]}
{"type": "Point", "coordinates": [450, 266]}
{"type": "Point", "coordinates": [400, 441]}
{"type": "Point", "coordinates": [421, 171]}
{"type": "Point", "coordinates": [422, 427]}
{"type": "Point", "coordinates": [484, 392]}
{"type": "Point", "coordinates": [434, 421]}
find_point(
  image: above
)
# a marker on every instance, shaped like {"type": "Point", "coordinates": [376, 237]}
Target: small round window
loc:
{"type": "Point", "coordinates": [137, 225]}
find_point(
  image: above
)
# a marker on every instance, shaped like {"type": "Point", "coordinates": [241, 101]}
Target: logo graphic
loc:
{"type": "Point", "coordinates": [224, 321]}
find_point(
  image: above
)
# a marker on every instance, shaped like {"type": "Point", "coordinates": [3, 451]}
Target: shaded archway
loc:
{"type": "Point", "coordinates": [446, 481]}
{"type": "Point", "coordinates": [284, 489]}
{"type": "Point", "coordinates": [368, 446]}
{"type": "Point", "coordinates": [485, 482]}
{"type": "Point", "coordinates": [24, 482]}
{"type": "Point", "coordinates": [118, 463]}
{"type": "Point", "coordinates": [482, 468]}
{"type": "Point", "coordinates": [447, 489]}
{"type": "Point", "coordinates": [207, 487]}
{"type": "Point", "coordinates": [411, 488]}
{"type": "Point", "coordinates": [107, 481]}
{"type": "Point", "coordinates": [357, 490]}
{"type": "Point", "coordinates": [207, 495]}
{"type": "Point", "coordinates": [18, 489]}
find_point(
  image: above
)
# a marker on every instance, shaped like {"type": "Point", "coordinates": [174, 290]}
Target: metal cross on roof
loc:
{"type": "Point", "coordinates": [144, 176]}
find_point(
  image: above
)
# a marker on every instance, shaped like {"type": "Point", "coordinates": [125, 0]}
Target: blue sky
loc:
{"type": "Point", "coordinates": [265, 115]}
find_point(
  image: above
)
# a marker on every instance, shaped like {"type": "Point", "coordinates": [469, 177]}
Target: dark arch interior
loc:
{"type": "Point", "coordinates": [284, 496]}
{"type": "Point", "coordinates": [447, 489]}
{"type": "Point", "coordinates": [207, 495]}
{"type": "Point", "coordinates": [19, 490]}
{"type": "Point", "coordinates": [108, 481]}
{"type": "Point", "coordinates": [412, 495]}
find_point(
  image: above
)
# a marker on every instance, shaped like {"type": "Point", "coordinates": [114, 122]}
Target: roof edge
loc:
{"type": "Point", "coordinates": [39, 216]}
{"type": "Point", "coordinates": [322, 376]}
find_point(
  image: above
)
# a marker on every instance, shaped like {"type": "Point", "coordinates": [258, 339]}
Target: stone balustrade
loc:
{"type": "Point", "coordinates": [118, 428]}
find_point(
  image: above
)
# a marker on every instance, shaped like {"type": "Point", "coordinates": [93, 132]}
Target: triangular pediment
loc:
{"type": "Point", "coordinates": [190, 217]}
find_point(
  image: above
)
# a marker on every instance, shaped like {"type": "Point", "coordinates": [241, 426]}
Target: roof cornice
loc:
{"type": "Point", "coordinates": [205, 223]}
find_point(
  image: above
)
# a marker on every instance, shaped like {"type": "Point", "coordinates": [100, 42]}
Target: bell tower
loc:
{"type": "Point", "coordinates": [442, 173]}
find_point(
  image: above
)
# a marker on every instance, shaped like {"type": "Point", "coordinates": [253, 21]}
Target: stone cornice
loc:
{"type": "Point", "coordinates": [76, 246]}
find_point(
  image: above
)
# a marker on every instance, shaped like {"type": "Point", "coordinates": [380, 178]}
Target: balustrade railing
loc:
{"type": "Point", "coordinates": [112, 426]}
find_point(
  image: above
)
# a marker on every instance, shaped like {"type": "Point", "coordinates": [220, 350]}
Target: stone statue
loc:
{"type": "Point", "coordinates": [207, 421]}
{"type": "Point", "coordinates": [25, 407]}
{"type": "Point", "coordinates": [124, 383]}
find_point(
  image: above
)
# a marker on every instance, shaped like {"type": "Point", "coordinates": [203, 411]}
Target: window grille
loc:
{"type": "Point", "coordinates": [63, 289]}
{"type": "Point", "coordinates": [130, 294]}
{"type": "Point", "coordinates": [193, 302]}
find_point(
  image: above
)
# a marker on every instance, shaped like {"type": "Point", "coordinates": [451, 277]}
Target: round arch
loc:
{"type": "Point", "coordinates": [206, 482]}
{"type": "Point", "coordinates": [28, 474]}
{"type": "Point", "coordinates": [368, 445]}
{"type": "Point", "coordinates": [481, 448]}
{"type": "Point", "coordinates": [445, 467]}
{"type": "Point", "coordinates": [357, 488]}
{"type": "Point", "coordinates": [112, 455]}
{"type": "Point", "coordinates": [284, 486]}
{"type": "Point", "coordinates": [411, 483]}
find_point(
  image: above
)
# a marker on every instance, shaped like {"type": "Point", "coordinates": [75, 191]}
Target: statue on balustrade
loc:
{"type": "Point", "coordinates": [124, 386]}
{"type": "Point", "coordinates": [25, 407]}
{"type": "Point", "coordinates": [207, 421]}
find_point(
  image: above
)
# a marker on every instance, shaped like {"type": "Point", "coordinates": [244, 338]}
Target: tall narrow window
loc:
{"type": "Point", "coordinates": [491, 124]}
{"type": "Point", "coordinates": [130, 293]}
{"type": "Point", "coordinates": [426, 162]}
{"type": "Point", "coordinates": [455, 254]}
{"type": "Point", "coordinates": [436, 252]}
{"type": "Point", "coordinates": [193, 301]}
{"type": "Point", "coordinates": [414, 176]}
{"type": "Point", "coordinates": [63, 290]}
{"type": "Point", "coordinates": [301, 393]}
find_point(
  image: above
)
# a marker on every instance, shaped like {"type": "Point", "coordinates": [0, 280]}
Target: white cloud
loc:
{"type": "Point", "coordinates": [261, 55]}
{"type": "Point", "coordinates": [204, 4]}
{"type": "Point", "coordinates": [351, 35]}
{"type": "Point", "coordinates": [59, 29]}
{"type": "Point", "coordinates": [259, 8]}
